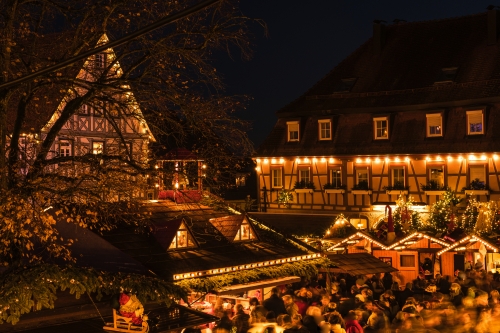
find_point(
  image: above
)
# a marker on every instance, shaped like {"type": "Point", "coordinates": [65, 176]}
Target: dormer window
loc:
{"type": "Point", "coordinates": [293, 130]}
{"type": "Point", "coordinates": [381, 128]}
{"type": "Point", "coordinates": [325, 129]}
{"type": "Point", "coordinates": [434, 125]}
{"type": "Point", "coordinates": [245, 232]}
{"type": "Point", "coordinates": [475, 122]}
{"type": "Point", "coordinates": [447, 75]}
{"type": "Point", "coordinates": [182, 239]}
{"type": "Point", "coordinates": [345, 85]}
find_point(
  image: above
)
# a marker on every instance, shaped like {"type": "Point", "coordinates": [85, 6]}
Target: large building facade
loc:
{"type": "Point", "coordinates": [412, 111]}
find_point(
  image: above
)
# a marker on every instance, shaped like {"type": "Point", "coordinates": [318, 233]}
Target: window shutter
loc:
{"type": "Point", "coordinates": [475, 118]}
{"type": "Point", "coordinates": [434, 121]}
{"type": "Point", "coordinates": [476, 171]}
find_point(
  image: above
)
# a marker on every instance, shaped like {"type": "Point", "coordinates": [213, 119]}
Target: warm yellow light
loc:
{"type": "Point", "coordinates": [297, 160]}
{"type": "Point", "coordinates": [483, 157]}
{"type": "Point", "coordinates": [472, 157]}
{"type": "Point", "coordinates": [377, 160]}
{"type": "Point", "coordinates": [367, 160]}
{"type": "Point", "coordinates": [282, 160]}
{"type": "Point", "coordinates": [460, 158]}
{"type": "Point", "coordinates": [438, 158]}
{"type": "Point", "coordinates": [397, 159]}
{"type": "Point", "coordinates": [273, 161]}
{"type": "Point", "coordinates": [358, 160]}
{"type": "Point", "coordinates": [257, 169]}
{"type": "Point", "coordinates": [387, 159]}
{"type": "Point", "coordinates": [407, 159]}
{"type": "Point", "coordinates": [258, 160]}
{"type": "Point", "coordinates": [323, 159]}
{"type": "Point", "coordinates": [315, 160]}
{"type": "Point", "coordinates": [331, 160]}
{"type": "Point", "coordinates": [495, 157]}
{"type": "Point", "coordinates": [427, 158]}
{"type": "Point", "coordinates": [176, 185]}
{"type": "Point", "coordinates": [449, 158]}
{"type": "Point", "coordinates": [306, 160]}
{"type": "Point", "coordinates": [266, 161]}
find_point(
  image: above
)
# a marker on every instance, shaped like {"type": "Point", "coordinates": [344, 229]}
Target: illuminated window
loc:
{"type": "Point", "coordinates": [475, 122]}
{"type": "Point", "coordinates": [436, 174]}
{"type": "Point", "coordinates": [398, 177]}
{"type": "Point", "coordinates": [182, 239]}
{"type": "Point", "coordinates": [336, 177]}
{"type": "Point", "coordinates": [477, 172]}
{"type": "Point", "coordinates": [325, 129]}
{"type": "Point", "coordinates": [245, 232]}
{"type": "Point", "coordinates": [381, 128]}
{"type": "Point", "coordinates": [362, 175]}
{"type": "Point", "coordinates": [85, 109]}
{"type": "Point", "coordinates": [305, 175]}
{"type": "Point", "coordinates": [97, 147]}
{"type": "Point", "coordinates": [359, 223]}
{"type": "Point", "coordinates": [293, 130]}
{"type": "Point", "coordinates": [240, 180]}
{"type": "Point", "coordinates": [277, 177]}
{"type": "Point", "coordinates": [434, 125]}
{"type": "Point", "coordinates": [65, 148]}
{"type": "Point", "coordinates": [100, 60]}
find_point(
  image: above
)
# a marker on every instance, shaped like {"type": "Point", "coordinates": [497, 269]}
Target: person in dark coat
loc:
{"type": "Point", "coordinates": [275, 303]}
{"type": "Point", "coordinates": [407, 292]}
{"type": "Point", "coordinates": [241, 321]}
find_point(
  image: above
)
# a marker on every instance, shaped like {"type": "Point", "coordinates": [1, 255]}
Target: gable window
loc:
{"type": "Point", "coordinates": [345, 85]}
{"type": "Point", "coordinates": [475, 122]}
{"type": "Point", "coordinates": [182, 239]}
{"type": "Point", "coordinates": [293, 130]}
{"type": "Point", "coordinates": [398, 177]}
{"type": "Point", "coordinates": [85, 109]}
{"type": "Point", "coordinates": [477, 172]}
{"type": "Point", "coordinates": [336, 177]}
{"type": "Point", "coordinates": [100, 60]}
{"type": "Point", "coordinates": [381, 128]}
{"type": "Point", "coordinates": [65, 148]}
{"type": "Point", "coordinates": [277, 177]}
{"type": "Point", "coordinates": [434, 125]}
{"type": "Point", "coordinates": [245, 232]}
{"type": "Point", "coordinates": [325, 129]}
{"type": "Point", "coordinates": [97, 147]}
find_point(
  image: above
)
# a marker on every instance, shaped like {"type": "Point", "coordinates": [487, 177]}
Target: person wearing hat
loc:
{"type": "Point", "coordinates": [456, 295]}
{"type": "Point", "coordinates": [131, 307]}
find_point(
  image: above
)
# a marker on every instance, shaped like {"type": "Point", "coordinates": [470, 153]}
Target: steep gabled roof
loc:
{"type": "Point", "coordinates": [408, 67]}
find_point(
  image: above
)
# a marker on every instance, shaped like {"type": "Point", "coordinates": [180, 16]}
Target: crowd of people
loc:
{"type": "Point", "coordinates": [466, 303]}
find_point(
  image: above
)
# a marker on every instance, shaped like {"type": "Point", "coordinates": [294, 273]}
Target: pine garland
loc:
{"type": "Point", "coordinates": [35, 287]}
{"type": "Point", "coordinates": [307, 268]}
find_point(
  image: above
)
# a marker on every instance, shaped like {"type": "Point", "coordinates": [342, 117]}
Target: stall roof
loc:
{"type": "Point", "coordinates": [239, 288]}
{"type": "Point", "coordinates": [360, 264]}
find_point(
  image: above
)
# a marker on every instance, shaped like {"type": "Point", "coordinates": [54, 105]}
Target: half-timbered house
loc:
{"type": "Point", "coordinates": [411, 112]}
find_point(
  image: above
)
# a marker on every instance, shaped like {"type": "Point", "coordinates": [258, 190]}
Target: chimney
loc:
{"type": "Point", "coordinates": [378, 36]}
{"type": "Point", "coordinates": [493, 25]}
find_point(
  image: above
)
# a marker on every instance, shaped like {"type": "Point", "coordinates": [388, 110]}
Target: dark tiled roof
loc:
{"type": "Point", "coordinates": [301, 225]}
{"type": "Point", "coordinates": [214, 249]}
{"type": "Point", "coordinates": [228, 225]}
{"type": "Point", "coordinates": [400, 83]}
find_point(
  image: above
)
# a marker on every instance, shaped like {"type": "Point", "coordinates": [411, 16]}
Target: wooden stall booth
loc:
{"type": "Point", "coordinates": [472, 252]}
{"type": "Point", "coordinates": [409, 255]}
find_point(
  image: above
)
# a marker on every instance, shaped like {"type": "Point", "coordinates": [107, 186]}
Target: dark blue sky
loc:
{"type": "Point", "coordinates": [307, 39]}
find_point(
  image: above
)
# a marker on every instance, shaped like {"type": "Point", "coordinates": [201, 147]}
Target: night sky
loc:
{"type": "Point", "coordinates": [307, 39]}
